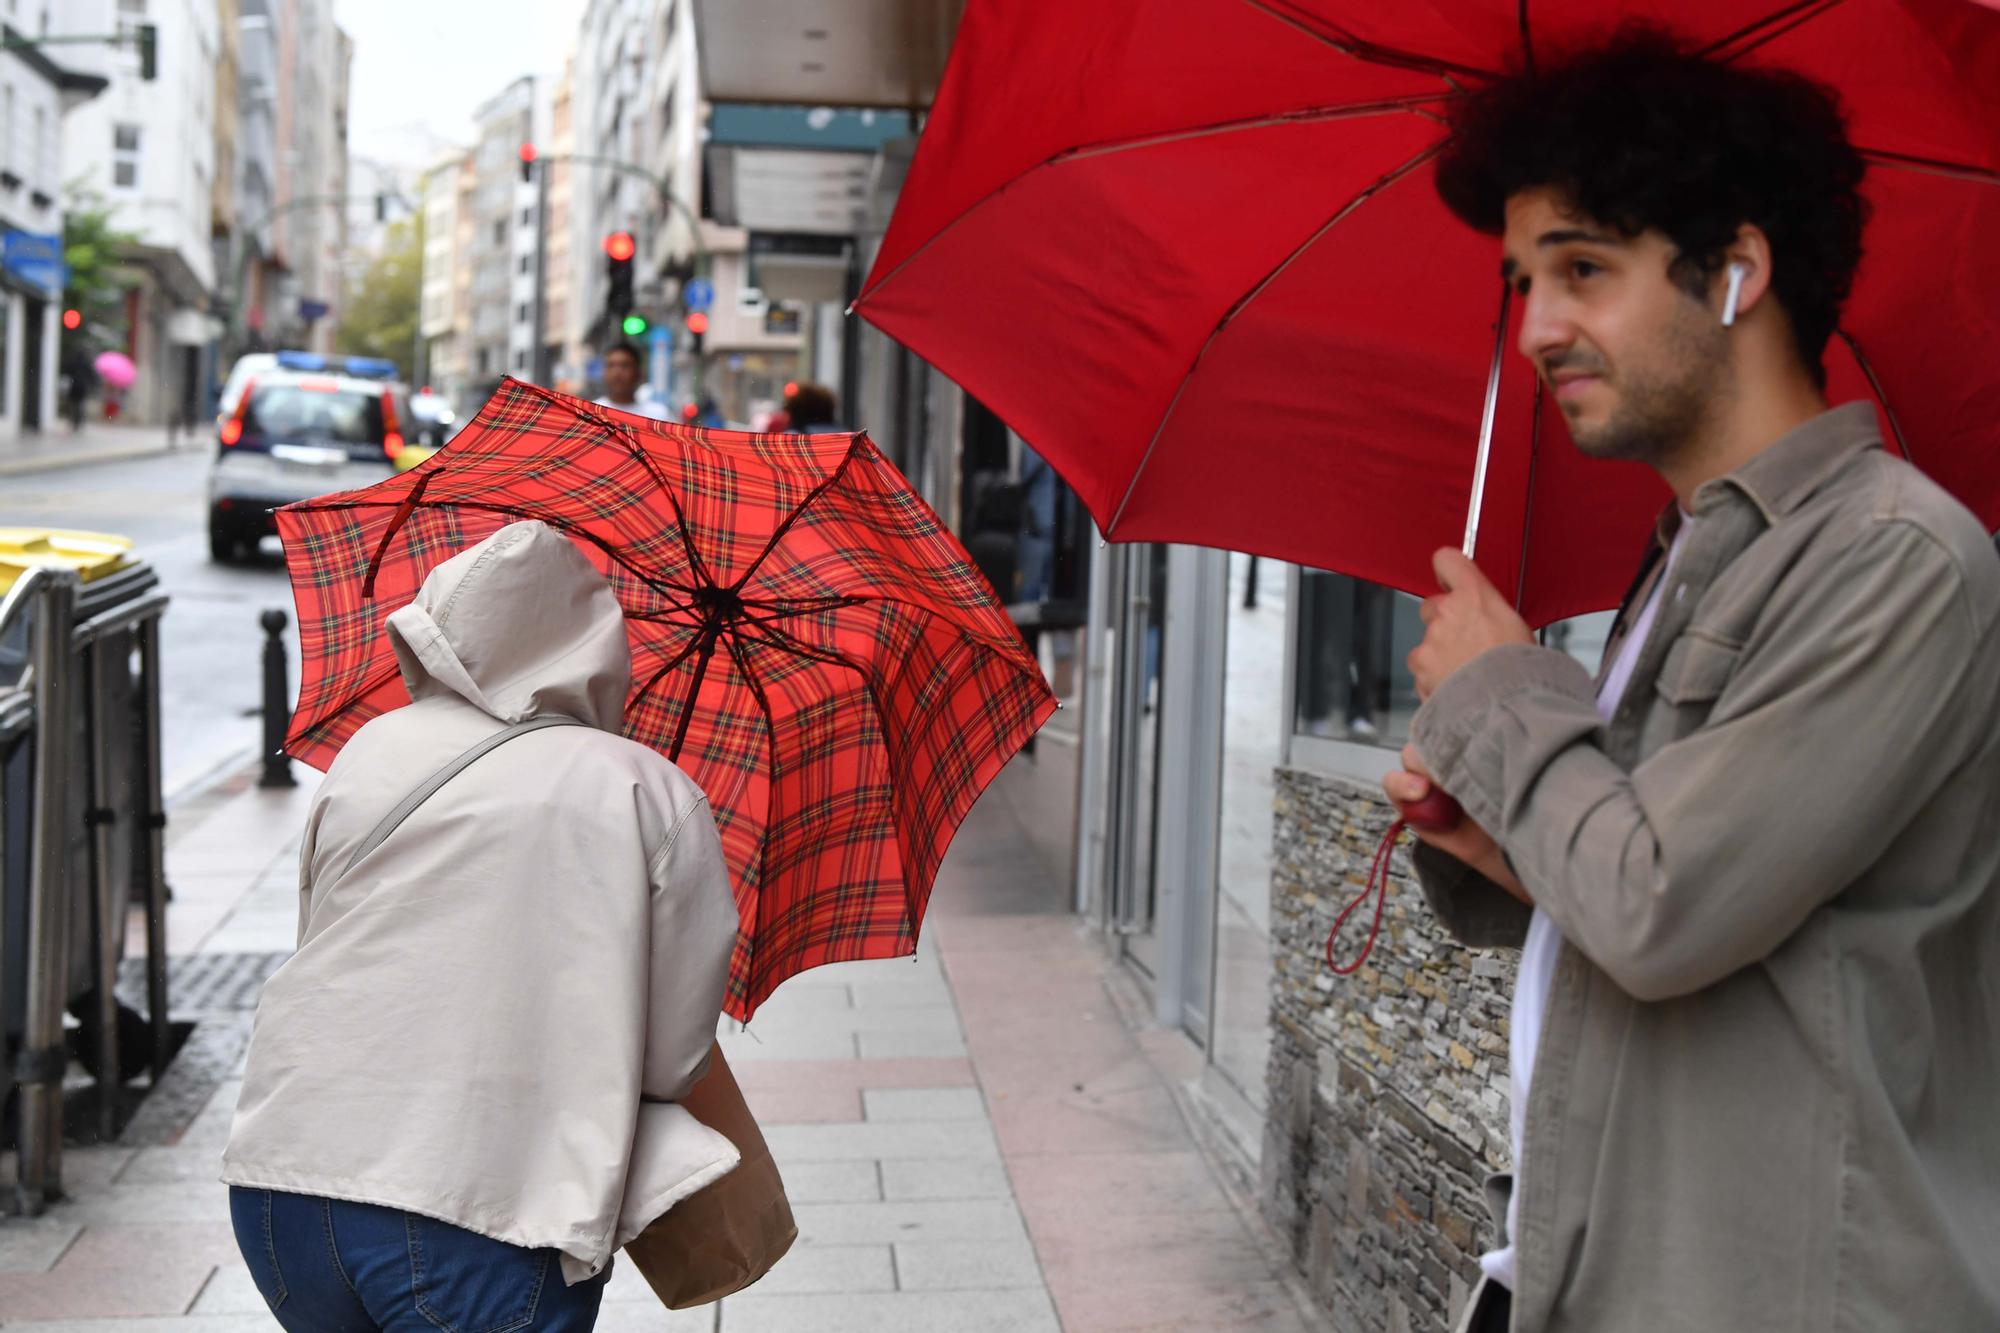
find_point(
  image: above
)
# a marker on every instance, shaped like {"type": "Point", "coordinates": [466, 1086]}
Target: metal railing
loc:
{"type": "Point", "coordinates": [43, 707]}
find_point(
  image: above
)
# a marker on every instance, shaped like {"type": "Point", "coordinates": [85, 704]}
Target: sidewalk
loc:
{"type": "Point", "coordinates": [973, 1139]}
{"type": "Point", "coordinates": [98, 442]}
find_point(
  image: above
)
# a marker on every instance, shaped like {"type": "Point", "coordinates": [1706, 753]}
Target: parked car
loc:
{"type": "Point", "coordinates": [295, 430]}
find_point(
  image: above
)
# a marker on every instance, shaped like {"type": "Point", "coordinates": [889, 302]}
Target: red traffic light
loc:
{"type": "Point", "coordinates": [72, 319]}
{"type": "Point", "coordinates": [697, 322]}
{"type": "Point", "coordinates": [527, 152]}
{"type": "Point", "coordinates": [619, 245]}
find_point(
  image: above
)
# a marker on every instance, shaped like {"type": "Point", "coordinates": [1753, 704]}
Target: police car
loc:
{"type": "Point", "coordinates": [296, 425]}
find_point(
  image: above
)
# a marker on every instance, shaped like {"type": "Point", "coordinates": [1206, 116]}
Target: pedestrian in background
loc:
{"type": "Point", "coordinates": [459, 1095]}
{"type": "Point", "coordinates": [624, 372]}
{"type": "Point", "coordinates": [1754, 865]}
{"type": "Point", "coordinates": [812, 409]}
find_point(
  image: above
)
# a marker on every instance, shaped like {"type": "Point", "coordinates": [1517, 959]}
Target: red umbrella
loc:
{"type": "Point", "coordinates": [1192, 251]}
{"type": "Point", "coordinates": [807, 642]}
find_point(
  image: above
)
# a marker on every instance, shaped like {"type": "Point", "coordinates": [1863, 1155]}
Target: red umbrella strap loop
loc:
{"type": "Point", "coordinates": [402, 516]}
{"type": "Point", "coordinates": [1378, 885]}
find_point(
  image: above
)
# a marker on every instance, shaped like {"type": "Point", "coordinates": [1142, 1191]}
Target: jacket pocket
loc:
{"type": "Point", "coordinates": [250, 1214]}
{"type": "Point", "coordinates": [1697, 668]}
{"type": "Point", "coordinates": [468, 1283]}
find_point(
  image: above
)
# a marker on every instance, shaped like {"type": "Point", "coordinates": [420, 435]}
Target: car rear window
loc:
{"type": "Point", "coordinates": [303, 414]}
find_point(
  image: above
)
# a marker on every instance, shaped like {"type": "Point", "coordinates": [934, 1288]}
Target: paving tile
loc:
{"type": "Point", "coordinates": [885, 1223]}
{"type": "Point", "coordinates": [154, 1204]}
{"type": "Point", "coordinates": [832, 1182]}
{"type": "Point", "coordinates": [746, 1048]}
{"type": "Point", "coordinates": [84, 1170]}
{"type": "Point", "coordinates": [230, 1291]}
{"type": "Point", "coordinates": [33, 1244]}
{"type": "Point", "coordinates": [1178, 1307]}
{"type": "Point", "coordinates": [875, 1141]}
{"type": "Point", "coordinates": [193, 1323]}
{"type": "Point", "coordinates": [830, 1269]}
{"type": "Point", "coordinates": [944, 1178]}
{"type": "Point", "coordinates": [1143, 1119]}
{"type": "Point", "coordinates": [855, 1074]}
{"type": "Point", "coordinates": [210, 1129]}
{"type": "Point", "coordinates": [903, 995]}
{"type": "Point", "coordinates": [156, 1166]}
{"type": "Point", "coordinates": [906, 1045]}
{"type": "Point", "coordinates": [956, 1265]}
{"type": "Point", "coordinates": [649, 1316]}
{"type": "Point", "coordinates": [1140, 1184]}
{"type": "Point", "coordinates": [810, 1105]}
{"type": "Point", "coordinates": [121, 1271]}
{"type": "Point", "coordinates": [905, 1312]}
{"type": "Point", "coordinates": [923, 1104]}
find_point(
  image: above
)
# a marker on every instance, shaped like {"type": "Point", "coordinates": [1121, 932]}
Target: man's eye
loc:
{"type": "Point", "coordinates": [1584, 268]}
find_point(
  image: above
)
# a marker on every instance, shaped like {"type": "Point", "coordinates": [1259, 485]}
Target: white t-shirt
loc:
{"type": "Point", "coordinates": [1537, 973]}
{"type": "Point", "coordinates": [640, 407]}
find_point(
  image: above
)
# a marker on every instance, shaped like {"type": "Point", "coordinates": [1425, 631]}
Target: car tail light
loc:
{"type": "Point", "coordinates": [232, 429]}
{"type": "Point", "coordinates": [392, 433]}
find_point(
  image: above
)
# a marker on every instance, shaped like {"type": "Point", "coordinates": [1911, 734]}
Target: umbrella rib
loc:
{"type": "Point", "coordinates": [660, 675]}
{"type": "Point", "coordinates": [1369, 52]}
{"type": "Point", "coordinates": [1931, 166]}
{"type": "Point", "coordinates": [1411, 104]}
{"type": "Point", "coordinates": [1308, 116]}
{"type": "Point", "coordinates": [1868, 372]}
{"type": "Point", "coordinates": [793, 517]}
{"type": "Point", "coordinates": [624, 436]}
{"type": "Point", "coordinates": [1758, 29]}
{"type": "Point", "coordinates": [1243, 303]}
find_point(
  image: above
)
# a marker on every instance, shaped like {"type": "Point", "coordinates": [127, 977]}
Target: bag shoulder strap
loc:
{"type": "Point", "coordinates": [408, 804]}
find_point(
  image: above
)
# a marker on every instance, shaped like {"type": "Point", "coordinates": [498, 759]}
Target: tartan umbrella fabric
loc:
{"type": "Point", "coordinates": [808, 643]}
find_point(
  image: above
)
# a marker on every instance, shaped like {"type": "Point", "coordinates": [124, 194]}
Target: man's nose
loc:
{"type": "Point", "coordinates": [1544, 330]}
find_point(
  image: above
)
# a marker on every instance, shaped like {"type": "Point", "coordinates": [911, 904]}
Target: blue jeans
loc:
{"type": "Point", "coordinates": [324, 1266]}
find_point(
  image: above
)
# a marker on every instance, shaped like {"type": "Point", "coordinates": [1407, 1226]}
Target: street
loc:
{"type": "Point", "coordinates": [211, 645]}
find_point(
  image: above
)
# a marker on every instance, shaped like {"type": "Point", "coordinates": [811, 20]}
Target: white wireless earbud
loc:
{"type": "Point", "coordinates": [1737, 272]}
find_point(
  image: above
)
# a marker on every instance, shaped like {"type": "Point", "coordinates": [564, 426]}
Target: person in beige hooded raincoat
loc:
{"type": "Point", "coordinates": [460, 1092]}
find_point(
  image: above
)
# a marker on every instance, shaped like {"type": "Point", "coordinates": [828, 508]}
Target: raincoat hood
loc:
{"type": "Point", "coordinates": [518, 626]}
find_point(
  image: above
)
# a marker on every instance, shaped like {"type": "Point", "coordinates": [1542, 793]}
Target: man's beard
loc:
{"type": "Point", "coordinates": [1660, 413]}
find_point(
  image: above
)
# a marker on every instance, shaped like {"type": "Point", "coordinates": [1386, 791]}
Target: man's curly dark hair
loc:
{"type": "Point", "coordinates": [1642, 133]}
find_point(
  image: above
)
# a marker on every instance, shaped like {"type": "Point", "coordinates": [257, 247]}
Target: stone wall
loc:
{"type": "Point", "coordinates": [1388, 1086]}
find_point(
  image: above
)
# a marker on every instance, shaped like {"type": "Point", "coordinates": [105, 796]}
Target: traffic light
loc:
{"type": "Point", "coordinates": [634, 326]}
{"type": "Point", "coordinates": [697, 324]}
{"type": "Point", "coordinates": [527, 164]}
{"type": "Point", "coordinates": [618, 251]}
{"type": "Point", "coordinates": [149, 51]}
{"type": "Point", "coordinates": [72, 319]}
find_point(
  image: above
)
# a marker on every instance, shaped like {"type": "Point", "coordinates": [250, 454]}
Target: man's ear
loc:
{"type": "Point", "coordinates": [1745, 275]}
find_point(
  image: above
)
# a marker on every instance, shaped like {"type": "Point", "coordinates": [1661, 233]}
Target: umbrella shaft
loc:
{"type": "Point", "coordinates": [1486, 424]}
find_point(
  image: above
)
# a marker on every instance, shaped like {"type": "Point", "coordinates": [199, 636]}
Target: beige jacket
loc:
{"type": "Point", "coordinates": [488, 1019]}
{"type": "Point", "coordinates": [1768, 1090]}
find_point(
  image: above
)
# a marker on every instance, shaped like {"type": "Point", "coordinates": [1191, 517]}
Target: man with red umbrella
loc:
{"type": "Point", "coordinates": [1754, 865]}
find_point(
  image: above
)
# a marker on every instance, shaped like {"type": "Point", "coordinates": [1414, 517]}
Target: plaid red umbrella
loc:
{"type": "Point", "coordinates": [808, 643]}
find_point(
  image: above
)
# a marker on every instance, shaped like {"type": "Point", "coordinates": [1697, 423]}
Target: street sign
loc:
{"type": "Point", "coordinates": [699, 294]}
{"type": "Point", "coordinates": [312, 310]}
{"type": "Point", "coordinates": [36, 258]}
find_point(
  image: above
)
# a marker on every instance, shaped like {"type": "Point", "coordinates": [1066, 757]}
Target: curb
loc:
{"type": "Point", "coordinates": [28, 467]}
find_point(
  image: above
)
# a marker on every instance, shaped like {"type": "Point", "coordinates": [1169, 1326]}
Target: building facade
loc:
{"type": "Point", "coordinates": [499, 260]}
{"type": "Point", "coordinates": [255, 286]}
{"type": "Point", "coordinates": [443, 316]}
{"type": "Point", "coordinates": [35, 91]}
{"type": "Point", "coordinates": [147, 149]}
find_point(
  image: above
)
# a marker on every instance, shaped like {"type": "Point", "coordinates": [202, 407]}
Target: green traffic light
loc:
{"type": "Point", "coordinates": [634, 325]}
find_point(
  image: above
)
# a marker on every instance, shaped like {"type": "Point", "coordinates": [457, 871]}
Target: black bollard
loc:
{"type": "Point", "coordinates": [277, 708]}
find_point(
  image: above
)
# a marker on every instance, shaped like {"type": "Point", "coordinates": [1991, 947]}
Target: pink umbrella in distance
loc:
{"type": "Point", "coordinates": [116, 369]}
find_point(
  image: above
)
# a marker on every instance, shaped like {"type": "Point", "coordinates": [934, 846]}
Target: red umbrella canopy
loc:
{"type": "Point", "coordinates": [807, 641]}
{"type": "Point", "coordinates": [1192, 251]}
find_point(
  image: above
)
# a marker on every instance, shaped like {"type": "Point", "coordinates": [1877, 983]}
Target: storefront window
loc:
{"type": "Point", "coordinates": [1253, 692]}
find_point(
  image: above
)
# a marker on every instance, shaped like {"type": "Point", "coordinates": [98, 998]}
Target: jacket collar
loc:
{"type": "Point", "coordinates": [1789, 469]}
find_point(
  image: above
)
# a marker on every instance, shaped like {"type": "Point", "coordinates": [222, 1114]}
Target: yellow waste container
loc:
{"type": "Point", "coordinates": [93, 555]}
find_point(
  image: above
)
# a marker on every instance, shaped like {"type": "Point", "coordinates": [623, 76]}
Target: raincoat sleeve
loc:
{"type": "Point", "coordinates": [1830, 728]}
{"type": "Point", "coordinates": [694, 930]}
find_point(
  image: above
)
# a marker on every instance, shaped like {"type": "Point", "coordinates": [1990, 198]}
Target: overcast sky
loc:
{"type": "Point", "coordinates": [421, 66]}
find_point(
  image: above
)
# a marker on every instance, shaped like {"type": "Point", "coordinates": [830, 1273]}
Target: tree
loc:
{"type": "Point", "coordinates": [380, 318]}
{"type": "Point", "coordinates": [95, 252]}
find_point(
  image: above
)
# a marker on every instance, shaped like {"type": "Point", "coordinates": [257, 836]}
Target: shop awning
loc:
{"type": "Point", "coordinates": [872, 53]}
